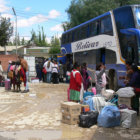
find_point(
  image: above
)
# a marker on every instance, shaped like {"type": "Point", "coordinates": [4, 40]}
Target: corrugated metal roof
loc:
{"type": "Point", "coordinates": [10, 48]}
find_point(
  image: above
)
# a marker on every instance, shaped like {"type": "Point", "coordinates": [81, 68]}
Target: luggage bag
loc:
{"type": "Point", "coordinates": [87, 119]}
{"type": "Point", "coordinates": [7, 84]}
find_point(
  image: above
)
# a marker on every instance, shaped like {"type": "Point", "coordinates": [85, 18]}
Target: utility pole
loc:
{"type": "Point", "coordinates": [16, 27]}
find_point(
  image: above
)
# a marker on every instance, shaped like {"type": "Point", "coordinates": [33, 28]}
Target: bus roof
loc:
{"type": "Point", "coordinates": [96, 18]}
{"type": "Point", "coordinates": [105, 14]}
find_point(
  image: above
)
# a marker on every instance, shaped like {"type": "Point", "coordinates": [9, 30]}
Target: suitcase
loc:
{"type": "Point", "coordinates": [88, 119]}
{"type": "Point", "coordinates": [7, 84]}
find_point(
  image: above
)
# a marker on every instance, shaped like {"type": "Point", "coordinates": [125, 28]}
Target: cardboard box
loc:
{"type": "Point", "coordinates": [71, 108]}
{"type": "Point", "coordinates": [70, 119]}
{"type": "Point", "coordinates": [125, 100]}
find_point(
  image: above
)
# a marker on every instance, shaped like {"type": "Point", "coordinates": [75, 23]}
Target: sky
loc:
{"type": "Point", "coordinates": [32, 14]}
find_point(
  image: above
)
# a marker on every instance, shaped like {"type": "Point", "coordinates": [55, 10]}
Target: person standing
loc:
{"type": "Point", "coordinates": [1, 72]}
{"type": "Point", "coordinates": [39, 70]}
{"type": "Point", "coordinates": [61, 71]}
{"type": "Point", "coordinates": [76, 84]}
{"type": "Point", "coordinates": [55, 68]}
{"type": "Point", "coordinates": [85, 76]}
{"type": "Point", "coordinates": [135, 83]}
{"type": "Point", "coordinates": [48, 66]}
{"type": "Point", "coordinates": [128, 73]}
{"type": "Point", "coordinates": [24, 65]}
{"type": "Point", "coordinates": [100, 78]}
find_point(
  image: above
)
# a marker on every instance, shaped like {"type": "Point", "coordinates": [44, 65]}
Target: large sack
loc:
{"type": "Point", "coordinates": [88, 119]}
{"type": "Point", "coordinates": [128, 118]}
{"type": "Point", "coordinates": [108, 94]}
{"type": "Point", "coordinates": [99, 103]}
{"type": "Point", "coordinates": [89, 101]}
{"type": "Point", "coordinates": [126, 92]}
{"type": "Point", "coordinates": [109, 117]}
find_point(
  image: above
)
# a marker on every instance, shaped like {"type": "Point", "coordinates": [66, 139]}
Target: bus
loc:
{"type": "Point", "coordinates": [112, 38]}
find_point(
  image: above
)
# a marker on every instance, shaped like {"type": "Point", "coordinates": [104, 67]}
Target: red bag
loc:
{"type": "Point", "coordinates": [137, 91]}
{"type": "Point", "coordinates": [44, 71]}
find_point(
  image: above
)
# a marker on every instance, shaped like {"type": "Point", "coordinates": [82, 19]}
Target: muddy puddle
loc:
{"type": "Point", "coordinates": [64, 133]}
{"type": "Point", "coordinates": [31, 135]}
{"type": "Point", "coordinates": [36, 116]}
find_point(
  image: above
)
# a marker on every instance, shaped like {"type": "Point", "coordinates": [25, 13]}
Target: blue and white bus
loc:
{"type": "Point", "coordinates": [111, 38]}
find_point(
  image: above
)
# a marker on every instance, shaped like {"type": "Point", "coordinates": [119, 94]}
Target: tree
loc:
{"type": "Point", "coordinates": [23, 41]}
{"type": "Point", "coordinates": [39, 39]}
{"type": "Point", "coordinates": [82, 10]}
{"type": "Point", "coordinates": [6, 31]}
{"type": "Point", "coordinates": [55, 45]}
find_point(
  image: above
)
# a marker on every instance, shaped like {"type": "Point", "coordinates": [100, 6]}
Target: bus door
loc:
{"type": "Point", "coordinates": [103, 55]}
{"type": "Point", "coordinates": [100, 56]}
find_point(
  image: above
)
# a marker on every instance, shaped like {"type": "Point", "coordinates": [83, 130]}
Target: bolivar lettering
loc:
{"type": "Point", "coordinates": [86, 45]}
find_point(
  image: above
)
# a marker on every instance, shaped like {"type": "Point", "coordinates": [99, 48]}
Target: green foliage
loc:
{"type": "Point", "coordinates": [38, 39]}
{"type": "Point", "coordinates": [6, 31]}
{"type": "Point", "coordinates": [82, 10]}
{"type": "Point", "coordinates": [55, 45]}
{"type": "Point", "coordinates": [23, 41]}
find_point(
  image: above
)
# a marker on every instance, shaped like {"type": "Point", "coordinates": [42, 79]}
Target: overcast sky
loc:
{"type": "Point", "coordinates": [34, 13]}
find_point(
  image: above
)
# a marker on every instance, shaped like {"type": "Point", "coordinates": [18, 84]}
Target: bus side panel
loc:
{"type": "Point", "coordinates": [120, 70]}
{"type": "Point", "coordinates": [66, 49]}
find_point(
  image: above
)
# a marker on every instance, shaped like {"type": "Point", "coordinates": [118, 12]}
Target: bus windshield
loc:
{"type": "Point", "coordinates": [137, 13]}
{"type": "Point", "coordinates": [139, 53]}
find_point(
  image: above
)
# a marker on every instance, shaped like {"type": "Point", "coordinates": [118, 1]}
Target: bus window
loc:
{"type": "Point", "coordinates": [139, 55]}
{"type": "Point", "coordinates": [84, 31]}
{"type": "Point", "coordinates": [106, 26]}
{"type": "Point", "coordinates": [93, 28]}
{"type": "Point", "coordinates": [122, 16]}
{"type": "Point", "coordinates": [64, 39]}
{"type": "Point", "coordinates": [69, 37]}
{"type": "Point", "coordinates": [76, 36]}
{"type": "Point", "coordinates": [137, 11]}
{"type": "Point", "coordinates": [130, 54]}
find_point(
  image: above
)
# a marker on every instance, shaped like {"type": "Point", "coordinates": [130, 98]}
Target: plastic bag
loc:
{"type": "Point", "coordinates": [109, 117]}
{"type": "Point", "coordinates": [126, 92]}
{"type": "Point", "coordinates": [128, 118]}
{"type": "Point", "coordinates": [88, 94]}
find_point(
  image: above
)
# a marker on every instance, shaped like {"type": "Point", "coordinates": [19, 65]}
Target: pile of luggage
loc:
{"type": "Point", "coordinates": [108, 110]}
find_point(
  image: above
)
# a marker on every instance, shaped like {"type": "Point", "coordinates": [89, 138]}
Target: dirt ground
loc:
{"type": "Point", "coordinates": [36, 116]}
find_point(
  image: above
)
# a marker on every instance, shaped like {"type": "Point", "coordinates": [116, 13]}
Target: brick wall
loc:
{"type": "Point", "coordinates": [5, 58]}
